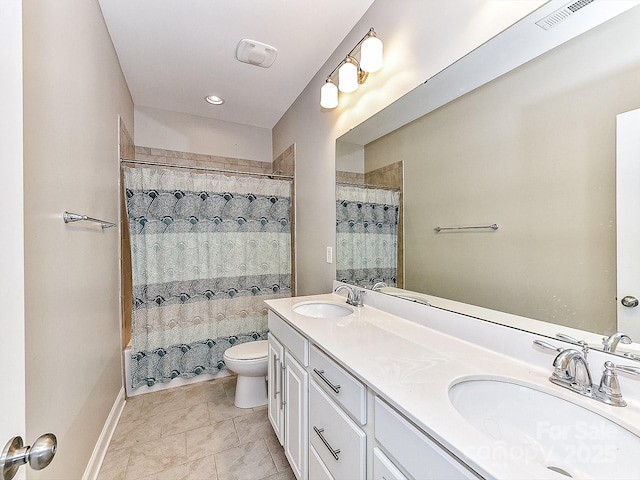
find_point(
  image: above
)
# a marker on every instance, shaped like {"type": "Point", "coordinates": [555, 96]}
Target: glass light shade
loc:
{"type": "Point", "coordinates": [329, 95]}
{"type": "Point", "coordinates": [348, 77]}
{"type": "Point", "coordinates": [371, 54]}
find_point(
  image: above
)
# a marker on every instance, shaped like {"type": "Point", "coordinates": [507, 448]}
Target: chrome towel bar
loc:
{"type": "Point", "coordinates": [493, 226]}
{"type": "Point", "coordinates": [74, 217]}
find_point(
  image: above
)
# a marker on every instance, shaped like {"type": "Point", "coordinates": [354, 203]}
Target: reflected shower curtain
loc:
{"type": "Point", "coordinates": [367, 235]}
{"type": "Point", "coordinates": [206, 250]}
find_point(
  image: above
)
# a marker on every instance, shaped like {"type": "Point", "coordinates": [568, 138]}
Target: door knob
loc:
{"type": "Point", "coordinates": [38, 456]}
{"type": "Point", "coordinates": [629, 301]}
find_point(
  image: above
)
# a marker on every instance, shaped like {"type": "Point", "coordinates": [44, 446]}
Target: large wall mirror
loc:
{"type": "Point", "coordinates": [533, 151]}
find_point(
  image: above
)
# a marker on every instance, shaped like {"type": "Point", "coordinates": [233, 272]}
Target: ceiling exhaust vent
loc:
{"type": "Point", "coordinates": [256, 53]}
{"type": "Point", "coordinates": [562, 14]}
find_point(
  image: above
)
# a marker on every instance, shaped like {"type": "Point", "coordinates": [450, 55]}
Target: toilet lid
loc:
{"type": "Point", "coordinates": [248, 350]}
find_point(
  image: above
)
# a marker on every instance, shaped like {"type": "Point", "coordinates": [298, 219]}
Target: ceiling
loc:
{"type": "Point", "coordinates": [173, 53]}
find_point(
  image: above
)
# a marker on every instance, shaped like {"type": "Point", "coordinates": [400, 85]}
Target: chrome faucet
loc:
{"type": "Point", "coordinates": [354, 295]}
{"type": "Point", "coordinates": [611, 342]}
{"type": "Point", "coordinates": [378, 286]}
{"type": "Point", "coordinates": [572, 371]}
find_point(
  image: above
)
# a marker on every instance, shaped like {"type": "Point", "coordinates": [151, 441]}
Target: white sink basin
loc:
{"type": "Point", "coordinates": [322, 309]}
{"type": "Point", "coordinates": [533, 427]}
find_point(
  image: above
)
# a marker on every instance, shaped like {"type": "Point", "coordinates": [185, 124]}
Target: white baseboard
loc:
{"type": "Point", "coordinates": [100, 450]}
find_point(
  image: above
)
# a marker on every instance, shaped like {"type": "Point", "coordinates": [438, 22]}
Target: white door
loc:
{"type": "Point", "coordinates": [275, 388]}
{"type": "Point", "coordinates": [12, 348]}
{"type": "Point", "coordinates": [628, 222]}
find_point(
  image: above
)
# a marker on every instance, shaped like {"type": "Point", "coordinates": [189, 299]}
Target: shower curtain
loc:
{"type": "Point", "coordinates": [206, 250]}
{"type": "Point", "coordinates": [367, 235]}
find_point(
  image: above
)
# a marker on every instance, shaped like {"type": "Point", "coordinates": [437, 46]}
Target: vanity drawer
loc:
{"type": "Point", "coordinates": [297, 345]}
{"type": "Point", "coordinates": [338, 440]}
{"type": "Point", "coordinates": [339, 385]}
{"type": "Point", "coordinates": [414, 451]}
{"type": "Point", "coordinates": [383, 468]}
{"type": "Point", "coordinates": [317, 469]}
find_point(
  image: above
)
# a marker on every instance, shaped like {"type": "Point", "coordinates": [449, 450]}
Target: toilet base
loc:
{"type": "Point", "coordinates": [251, 392]}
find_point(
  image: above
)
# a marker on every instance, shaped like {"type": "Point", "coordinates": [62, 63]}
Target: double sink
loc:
{"type": "Point", "coordinates": [524, 424]}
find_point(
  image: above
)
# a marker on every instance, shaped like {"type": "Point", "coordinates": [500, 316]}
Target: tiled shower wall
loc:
{"type": "Point", "coordinates": [127, 150]}
{"type": "Point", "coordinates": [284, 164]}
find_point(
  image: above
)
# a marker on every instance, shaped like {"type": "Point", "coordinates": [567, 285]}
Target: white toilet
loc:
{"type": "Point", "coordinates": [249, 361]}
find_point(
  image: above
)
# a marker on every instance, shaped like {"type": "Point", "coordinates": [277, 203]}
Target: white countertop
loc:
{"type": "Point", "coordinates": [412, 367]}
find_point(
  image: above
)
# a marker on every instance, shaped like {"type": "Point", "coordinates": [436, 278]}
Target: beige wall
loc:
{"type": "Point", "coordinates": [414, 51]}
{"type": "Point", "coordinates": [189, 133]}
{"type": "Point", "coordinates": [73, 93]}
{"type": "Point", "coordinates": [535, 152]}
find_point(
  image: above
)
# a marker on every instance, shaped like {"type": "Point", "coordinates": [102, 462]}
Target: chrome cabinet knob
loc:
{"type": "Point", "coordinates": [629, 301]}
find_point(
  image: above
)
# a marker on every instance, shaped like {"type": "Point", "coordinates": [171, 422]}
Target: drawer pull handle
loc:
{"type": "Point", "coordinates": [276, 360]}
{"type": "Point", "coordinates": [320, 373]}
{"type": "Point", "coordinates": [326, 444]}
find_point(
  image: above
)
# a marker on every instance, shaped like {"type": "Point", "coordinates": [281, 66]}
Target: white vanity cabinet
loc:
{"type": "Point", "coordinates": [335, 427]}
{"type": "Point", "coordinates": [412, 450]}
{"type": "Point", "coordinates": [336, 399]}
{"type": "Point", "coordinates": [288, 391]}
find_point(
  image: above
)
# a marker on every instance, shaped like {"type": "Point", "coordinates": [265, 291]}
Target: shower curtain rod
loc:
{"type": "Point", "coordinates": [370, 185]}
{"type": "Point", "coordinates": [205, 169]}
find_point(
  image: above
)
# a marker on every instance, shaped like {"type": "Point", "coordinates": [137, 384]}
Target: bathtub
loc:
{"type": "Point", "coordinates": [176, 382]}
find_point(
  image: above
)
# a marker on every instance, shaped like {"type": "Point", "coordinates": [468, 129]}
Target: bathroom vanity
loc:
{"type": "Point", "coordinates": [361, 393]}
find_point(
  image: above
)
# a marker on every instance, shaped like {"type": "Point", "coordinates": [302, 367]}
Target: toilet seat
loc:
{"type": "Point", "coordinates": [248, 351]}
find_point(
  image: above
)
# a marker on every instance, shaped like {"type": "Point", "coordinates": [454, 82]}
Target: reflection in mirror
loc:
{"type": "Point", "coordinates": [535, 152]}
{"type": "Point", "coordinates": [368, 222]}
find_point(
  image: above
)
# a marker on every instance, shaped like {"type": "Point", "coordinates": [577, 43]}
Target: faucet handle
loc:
{"type": "Point", "coordinates": [354, 295]}
{"type": "Point", "coordinates": [357, 297]}
{"type": "Point", "coordinates": [609, 389]}
{"type": "Point", "coordinates": [581, 343]}
{"type": "Point", "coordinates": [547, 346]}
{"type": "Point", "coordinates": [624, 368]}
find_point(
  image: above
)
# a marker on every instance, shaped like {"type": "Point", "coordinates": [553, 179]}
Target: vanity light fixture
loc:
{"type": "Point", "coordinates": [214, 100]}
{"type": "Point", "coordinates": [352, 72]}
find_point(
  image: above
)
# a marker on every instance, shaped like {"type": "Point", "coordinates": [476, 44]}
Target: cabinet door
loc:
{"type": "Point", "coordinates": [296, 435]}
{"type": "Point", "coordinates": [274, 387]}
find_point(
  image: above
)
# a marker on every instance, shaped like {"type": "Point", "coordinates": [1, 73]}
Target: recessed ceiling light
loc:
{"type": "Point", "coordinates": [214, 100]}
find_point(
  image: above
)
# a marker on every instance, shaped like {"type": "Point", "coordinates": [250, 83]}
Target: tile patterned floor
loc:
{"type": "Point", "coordinates": [197, 433]}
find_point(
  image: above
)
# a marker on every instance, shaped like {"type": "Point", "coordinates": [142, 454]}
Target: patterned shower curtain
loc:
{"type": "Point", "coordinates": [206, 250]}
{"type": "Point", "coordinates": [367, 235]}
